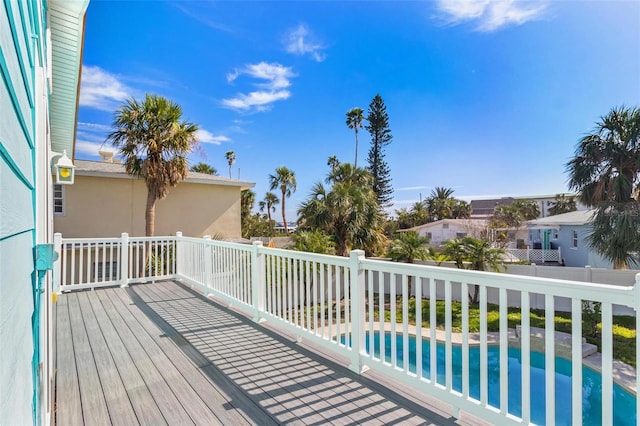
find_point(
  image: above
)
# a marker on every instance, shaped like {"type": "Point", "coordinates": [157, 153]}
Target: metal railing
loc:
{"type": "Point", "coordinates": [350, 305]}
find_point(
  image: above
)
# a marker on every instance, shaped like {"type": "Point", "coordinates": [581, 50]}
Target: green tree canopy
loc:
{"type": "Point", "coordinates": [606, 173]}
{"type": "Point", "coordinates": [474, 253]}
{"type": "Point", "coordinates": [563, 204]}
{"type": "Point", "coordinates": [204, 168]}
{"type": "Point", "coordinates": [442, 205]}
{"type": "Point", "coordinates": [378, 128]}
{"type": "Point", "coordinates": [347, 211]}
{"type": "Point", "coordinates": [154, 142]}
{"type": "Point", "coordinates": [247, 201]}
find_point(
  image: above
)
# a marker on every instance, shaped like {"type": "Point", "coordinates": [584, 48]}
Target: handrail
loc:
{"type": "Point", "coordinates": [346, 304]}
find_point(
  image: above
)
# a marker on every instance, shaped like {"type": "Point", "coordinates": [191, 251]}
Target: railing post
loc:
{"type": "Point", "coordinates": [57, 247]}
{"type": "Point", "coordinates": [124, 260]}
{"type": "Point", "coordinates": [257, 280]}
{"type": "Point", "coordinates": [587, 274]}
{"type": "Point", "coordinates": [179, 254]}
{"type": "Point", "coordinates": [207, 265]}
{"type": "Point", "coordinates": [528, 254]}
{"type": "Point", "coordinates": [559, 255]}
{"type": "Point", "coordinates": [356, 287]}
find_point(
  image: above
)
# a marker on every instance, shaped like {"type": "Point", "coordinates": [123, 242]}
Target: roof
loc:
{"type": "Point", "coordinates": [579, 217]}
{"type": "Point", "coordinates": [66, 20]}
{"type": "Point", "coordinates": [117, 170]}
{"type": "Point", "coordinates": [469, 223]}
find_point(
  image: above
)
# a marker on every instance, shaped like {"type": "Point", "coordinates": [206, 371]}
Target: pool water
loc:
{"type": "Point", "coordinates": [624, 403]}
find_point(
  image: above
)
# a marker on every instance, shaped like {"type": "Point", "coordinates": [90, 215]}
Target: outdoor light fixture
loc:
{"type": "Point", "coordinates": [64, 170]}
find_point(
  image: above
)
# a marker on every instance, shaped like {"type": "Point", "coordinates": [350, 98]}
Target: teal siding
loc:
{"type": "Point", "coordinates": [17, 212]}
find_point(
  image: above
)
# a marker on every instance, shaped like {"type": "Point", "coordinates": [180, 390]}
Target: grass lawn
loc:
{"type": "Point", "coordinates": [624, 330]}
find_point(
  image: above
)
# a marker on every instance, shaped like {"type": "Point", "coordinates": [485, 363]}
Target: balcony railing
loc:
{"type": "Point", "coordinates": [342, 303]}
{"type": "Point", "coordinates": [534, 255]}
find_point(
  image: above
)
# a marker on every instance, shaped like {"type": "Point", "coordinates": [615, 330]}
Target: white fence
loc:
{"type": "Point", "coordinates": [344, 305]}
{"type": "Point", "coordinates": [533, 255]}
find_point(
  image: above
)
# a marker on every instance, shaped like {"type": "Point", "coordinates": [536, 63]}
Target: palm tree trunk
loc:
{"type": "Point", "coordinates": [270, 223]}
{"type": "Point", "coordinates": [150, 214]}
{"type": "Point", "coordinates": [284, 219]}
{"type": "Point", "coordinates": [355, 163]}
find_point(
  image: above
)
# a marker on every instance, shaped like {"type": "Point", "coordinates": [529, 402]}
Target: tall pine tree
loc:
{"type": "Point", "coordinates": [378, 127]}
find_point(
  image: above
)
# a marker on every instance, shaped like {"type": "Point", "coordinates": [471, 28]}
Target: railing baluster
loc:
{"type": "Point", "coordinates": [405, 322]}
{"type": "Point", "coordinates": [549, 360]}
{"type": "Point", "coordinates": [371, 309]}
{"type": "Point", "coordinates": [381, 319]}
{"type": "Point", "coordinates": [484, 382]}
{"type": "Point", "coordinates": [393, 301]}
{"type": "Point", "coordinates": [464, 295]}
{"type": "Point", "coordinates": [607, 363]}
{"type": "Point", "coordinates": [504, 353]}
{"type": "Point", "coordinates": [576, 361]}
{"type": "Point", "coordinates": [347, 307]}
{"type": "Point", "coordinates": [525, 353]}
{"type": "Point", "coordinates": [339, 279]}
{"type": "Point", "coordinates": [448, 358]}
{"type": "Point", "coordinates": [418, 296]}
{"type": "Point", "coordinates": [330, 300]}
{"type": "Point", "coordinates": [433, 342]}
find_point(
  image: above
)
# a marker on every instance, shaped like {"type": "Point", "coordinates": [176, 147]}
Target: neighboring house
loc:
{"type": "Point", "coordinates": [40, 57]}
{"type": "Point", "coordinates": [568, 232]}
{"type": "Point", "coordinates": [483, 209]}
{"type": "Point", "coordinates": [447, 229]}
{"type": "Point", "coordinates": [105, 201]}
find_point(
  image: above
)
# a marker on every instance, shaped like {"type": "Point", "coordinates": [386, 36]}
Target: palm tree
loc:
{"type": "Point", "coordinates": [247, 201]}
{"type": "Point", "coordinates": [269, 204]}
{"type": "Point", "coordinates": [476, 254]}
{"type": "Point", "coordinates": [354, 121]}
{"type": "Point", "coordinates": [407, 247]}
{"type": "Point", "coordinates": [231, 158]}
{"type": "Point", "coordinates": [285, 179]}
{"type": "Point", "coordinates": [563, 204]}
{"type": "Point", "coordinates": [204, 168]}
{"type": "Point", "coordinates": [154, 142]}
{"type": "Point", "coordinates": [606, 172]}
{"type": "Point", "coordinates": [333, 162]}
{"type": "Point", "coordinates": [348, 211]}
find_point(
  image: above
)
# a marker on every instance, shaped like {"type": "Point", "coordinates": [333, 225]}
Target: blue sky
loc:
{"type": "Point", "coordinates": [486, 97]}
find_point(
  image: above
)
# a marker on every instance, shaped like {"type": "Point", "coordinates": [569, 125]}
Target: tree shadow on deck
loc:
{"type": "Point", "coordinates": [271, 379]}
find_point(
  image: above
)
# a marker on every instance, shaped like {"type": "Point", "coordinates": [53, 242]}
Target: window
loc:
{"type": "Point", "coordinates": [428, 235]}
{"type": "Point", "coordinates": [574, 239]}
{"type": "Point", "coordinates": [445, 226]}
{"type": "Point", "coordinates": [555, 234]}
{"type": "Point", "coordinates": [58, 200]}
{"type": "Point", "coordinates": [461, 234]}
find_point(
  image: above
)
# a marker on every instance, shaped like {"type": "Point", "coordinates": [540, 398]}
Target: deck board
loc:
{"type": "Point", "coordinates": [68, 406]}
{"type": "Point", "coordinates": [161, 353]}
{"type": "Point", "coordinates": [94, 405]}
{"type": "Point", "coordinates": [141, 400]}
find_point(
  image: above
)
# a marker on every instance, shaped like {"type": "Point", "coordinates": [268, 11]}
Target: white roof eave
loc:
{"type": "Point", "coordinates": [66, 21]}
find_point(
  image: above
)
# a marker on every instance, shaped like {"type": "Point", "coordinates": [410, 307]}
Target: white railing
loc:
{"type": "Point", "coordinates": [91, 262]}
{"type": "Point", "coordinates": [366, 310]}
{"type": "Point", "coordinates": [534, 255]}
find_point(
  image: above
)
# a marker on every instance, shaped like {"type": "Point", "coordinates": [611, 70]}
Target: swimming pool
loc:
{"type": "Point", "coordinates": [624, 409]}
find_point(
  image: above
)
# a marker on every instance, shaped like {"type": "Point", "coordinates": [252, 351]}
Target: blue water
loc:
{"type": "Point", "coordinates": [624, 408]}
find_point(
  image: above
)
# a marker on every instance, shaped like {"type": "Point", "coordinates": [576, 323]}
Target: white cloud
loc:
{"type": "Point", "coordinates": [491, 15]}
{"type": "Point", "coordinates": [94, 126]}
{"type": "Point", "coordinates": [101, 90]}
{"type": "Point", "coordinates": [300, 41]}
{"type": "Point", "coordinates": [90, 148]}
{"type": "Point", "coordinates": [273, 81]}
{"type": "Point", "coordinates": [205, 136]}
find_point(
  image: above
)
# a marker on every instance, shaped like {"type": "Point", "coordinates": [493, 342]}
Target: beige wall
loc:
{"type": "Point", "coordinates": [107, 207]}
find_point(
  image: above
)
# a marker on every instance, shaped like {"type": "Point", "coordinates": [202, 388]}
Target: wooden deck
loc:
{"type": "Point", "coordinates": [163, 354]}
